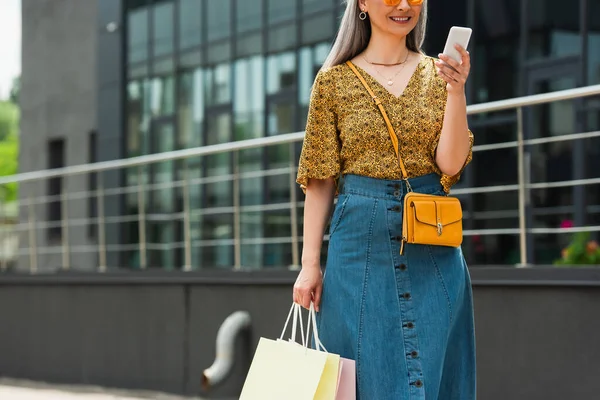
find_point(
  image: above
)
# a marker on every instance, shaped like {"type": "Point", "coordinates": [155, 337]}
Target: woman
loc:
{"type": "Point", "coordinates": [406, 319]}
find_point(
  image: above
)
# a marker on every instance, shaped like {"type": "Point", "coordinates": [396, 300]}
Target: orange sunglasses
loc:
{"type": "Point", "coordinates": [396, 2]}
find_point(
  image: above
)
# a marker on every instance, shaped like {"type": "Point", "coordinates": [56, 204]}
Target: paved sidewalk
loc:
{"type": "Point", "coordinates": [26, 390]}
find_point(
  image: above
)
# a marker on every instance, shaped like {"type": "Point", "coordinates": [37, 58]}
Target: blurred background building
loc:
{"type": "Point", "coordinates": [147, 76]}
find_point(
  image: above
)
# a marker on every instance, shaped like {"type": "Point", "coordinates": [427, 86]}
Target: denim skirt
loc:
{"type": "Point", "coordinates": [406, 319]}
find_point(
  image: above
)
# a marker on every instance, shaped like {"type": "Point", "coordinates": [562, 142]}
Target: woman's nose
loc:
{"type": "Point", "coordinates": [403, 5]}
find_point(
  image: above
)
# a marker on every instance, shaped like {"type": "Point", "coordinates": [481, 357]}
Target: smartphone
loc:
{"type": "Point", "coordinates": [457, 35]}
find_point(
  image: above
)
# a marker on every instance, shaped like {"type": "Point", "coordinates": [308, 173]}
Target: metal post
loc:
{"type": "Point", "coordinates": [4, 238]}
{"type": "Point", "coordinates": [187, 236]}
{"type": "Point", "coordinates": [142, 218]}
{"type": "Point", "coordinates": [522, 188]}
{"type": "Point", "coordinates": [294, 212]}
{"type": "Point", "coordinates": [66, 259]}
{"type": "Point", "coordinates": [237, 218]}
{"type": "Point", "coordinates": [101, 226]}
{"type": "Point", "coordinates": [33, 267]}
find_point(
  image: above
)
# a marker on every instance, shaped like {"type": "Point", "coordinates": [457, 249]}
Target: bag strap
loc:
{"type": "Point", "coordinates": [385, 117]}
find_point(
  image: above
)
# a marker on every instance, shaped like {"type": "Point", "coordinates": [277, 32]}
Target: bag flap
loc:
{"type": "Point", "coordinates": [431, 212]}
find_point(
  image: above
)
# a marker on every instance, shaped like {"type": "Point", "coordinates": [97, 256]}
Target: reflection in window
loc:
{"type": "Point", "coordinates": [138, 117]}
{"type": "Point", "coordinates": [219, 256]}
{"type": "Point", "coordinates": [161, 253]}
{"type": "Point", "coordinates": [278, 188]}
{"type": "Point", "coordinates": [311, 6]}
{"type": "Point", "coordinates": [218, 19]}
{"type": "Point", "coordinates": [134, 118]}
{"type": "Point", "coordinates": [282, 37]}
{"type": "Point", "coordinates": [190, 23]}
{"type": "Point", "coordinates": [218, 85]}
{"type": "Point", "coordinates": [137, 21]}
{"type": "Point", "coordinates": [311, 60]}
{"type": "Point", "coordinates": [248, 102]}
{"type": "Point", "coordinates": [553, 31]}
{"type": "Point", "coordinates": [219, 131]}
{"type": "Point", "coordinates": [191, 109]}
{"type": "Point", "coordinates": [495, 46]}
{"type": "Point", "coordinates": [252, 256]}
{"type": "Point", "coordinates": [249, 15]}
{"type": "Point", "coordinates": [317, 27]}
{"type": "Point", "coordinates": [163, 93]}
{"type": "Point", "coordinates": [281, 72]}
{"type": "Point", "coordinates": [163, 28]}
{"type": "Point", "coordinates": [278, 255]}
{"type": "Point", "coordinates": [593, 43]}
{"type": "Point", "coordinates": [251, 189]}
{"type": "Point", "coordinates": [281, 10]}
{"type": "Point", "coordinates": [281, 118]}
{"type": "Point", "coordinates": [162, 199]}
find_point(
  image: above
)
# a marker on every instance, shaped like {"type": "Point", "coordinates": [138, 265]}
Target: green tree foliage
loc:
{"type": "Point", "coordinates": [581, 251]}
{"type": "Point", "coordinates": [15, 91]}
{"type": "Point", "coordinates": [9, 148]}
{"type": "Point", "coordinates": [9, 119]}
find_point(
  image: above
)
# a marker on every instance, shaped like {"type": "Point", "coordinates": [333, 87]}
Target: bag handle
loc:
{"type": "Point", "coordinates": [297, 315]}
{"type": "Point", "coordinates": [312, 320]}
{"type": "Point", "coordinates": [387, 121]}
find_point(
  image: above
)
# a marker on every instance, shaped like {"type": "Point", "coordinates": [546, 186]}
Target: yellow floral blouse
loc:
{"type": "Point", "coordinates": [346, 134]}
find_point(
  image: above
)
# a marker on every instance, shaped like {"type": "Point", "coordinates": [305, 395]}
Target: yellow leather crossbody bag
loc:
{"type": "Point", "coordinates": [426, 219]}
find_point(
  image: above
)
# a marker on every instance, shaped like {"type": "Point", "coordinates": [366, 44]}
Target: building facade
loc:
{"type": "Point", "coordinates": [178, 74]}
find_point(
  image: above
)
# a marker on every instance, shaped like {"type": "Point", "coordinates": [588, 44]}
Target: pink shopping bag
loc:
{"type": "Point", "coordinates": [346, 383]}
{"type": "Point", "coordinates": [346, 389]}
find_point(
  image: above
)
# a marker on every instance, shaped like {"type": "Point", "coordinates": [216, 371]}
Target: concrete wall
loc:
{"type": "Point", "coordinates": [58, 100]}
{"type": "Point", "coordinates": [537, 329]}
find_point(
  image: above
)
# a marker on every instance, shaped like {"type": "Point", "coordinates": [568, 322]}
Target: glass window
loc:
{"type": "Point", "coordinates": [134, 118]}
{"type": "Point", "coordinates": [161, 252]}
{"type": "Point", "coordinates": [191, 109]}
{"type": "Point", "coordinates": [163, 36]}
{"type": "Point", "coordinates": [553, 29]}
{"type": "Point", "coordinates": [249, 99]}
{"type": "Point", "coordinates": [248, 15]}
{"type": "Point", "coordinates": [218, 85]}
{"type": "Point", "coordinates": [311, 60]}
{"type": "Point", "coordinates": [219, 194]}
{"type": "Point", "coordinates": [137, 29]}
{"type": "Point", "coordinates": [252, 256]}
{"type": "Point", "coordinates": [163, 140]}
{"type": "Point", "coordinates": [162, 96]}
{"type": "Point", "coordinates": [281, 72]}
{"type": "Point", "coordinates": [593, 42]}
{"type": "Point", "coordinates": [218, 19]}
{"type": "Point", "coordinates": [317, 27]}
{"type": "Point", "coordinates": [496, 47]}
{"type": "Point", "coordinates": [281, 10]}
{"type": "Point", "coordinates": [138, 117]}
{"type": "Point", "coordinates": [311, 6]}
{"type": "Point", "coordinates": [282, 37]}
{"type": "Point", "coordinates": [249, 44]}
{"type": "Point", "coordinates": [190, 23]}
{"type": "Point", "coordinates": [278, 255]}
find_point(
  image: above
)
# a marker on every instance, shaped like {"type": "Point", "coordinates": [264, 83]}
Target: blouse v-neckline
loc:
{"type": "Point", "coordinates": [380, 86]}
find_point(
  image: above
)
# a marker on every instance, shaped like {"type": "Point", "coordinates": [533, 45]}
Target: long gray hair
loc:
{"type": "Point", "coordinates": [354, 35]}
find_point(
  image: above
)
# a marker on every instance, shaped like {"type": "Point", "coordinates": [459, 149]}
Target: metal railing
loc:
{"type": "Point", "coordinates": [29, 223]}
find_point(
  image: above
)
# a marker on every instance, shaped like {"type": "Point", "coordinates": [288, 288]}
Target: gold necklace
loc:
{"type": "Point", "coordinates": [390, 81]}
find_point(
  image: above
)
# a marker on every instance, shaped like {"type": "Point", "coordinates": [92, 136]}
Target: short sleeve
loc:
{"type": "Point", "coordinates": [449, 181]}
{"type": "Point", "coordinates": [320, 156]}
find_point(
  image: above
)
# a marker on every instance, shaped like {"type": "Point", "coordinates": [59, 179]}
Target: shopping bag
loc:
{"type": "Point", "coordinates": [286, 369]}
{"type": "Point", "coordinates": [346, 378]}
{"type": "Point", "coordinates": [347, 382]}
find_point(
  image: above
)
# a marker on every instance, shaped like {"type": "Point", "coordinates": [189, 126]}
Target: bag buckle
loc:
{"type": "Point", "coordinates": [408, 187]}
{"type": "Point", "coordinates": [439, 228]}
